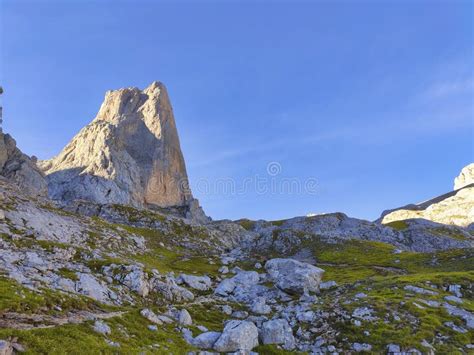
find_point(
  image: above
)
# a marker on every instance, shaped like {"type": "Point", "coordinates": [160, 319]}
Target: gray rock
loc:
{"type": "Point", "coordinates": [327, 285]}
{"type": "Point", "coordinates": [260, 307]}
{"type": "Point", "coordinates": [393, 349]}
{"type": "Point", "coordinates": [306, 317]}
{"type": "Point", "coordinates": [459, 312]}
{"type": "Point", "coordinates": [456, 289]}
{"type": "Point", "coordinates": [226, 287]}
{"type": "Point", "coordinates": [151, 316]}
{"type": "Point", "coordinates": [364, 313]}
{"type": "Point", "coordinates": [455, 327]}
{"type": "Point", "coordinates": [246, 278]}
{"type": "Point", "coordinates": [206, 340]}
{"type": "Point", "coordinates": [224, 270]}
{"type": "Point", "coordinates": [101, 328]}
{"type": "Point", "coordinates": [240, 314]}
{"type": "Point", "coordinates": [278, 331]}
{"type": "Point", "coordinates": [294, 276]}
{"type": "Point", "coordinates": [201, 283]}
{"type": "Point", "coordinates": [153, 328]}
{"type": "Point", "coordinates": [226, 309]}
{"type": "Point", "coordinates": [171, 291]}
{"type": "Point", "coordinates": [131, 276]}
{"type": "Point", "coordinates": [358, 347]}
{"type": "Point", "coordinates": [184, 318]}
{"type": "Point", "coordinates": [237, 335]}
{"type": "Point", "coordinates": [453, 299]}
{"type": "Point", "coordinates": [6, 348]}
{"type": "Point", "coordinates": [419, 290]}
{"type": "Point", "coordinates": [88, 285]}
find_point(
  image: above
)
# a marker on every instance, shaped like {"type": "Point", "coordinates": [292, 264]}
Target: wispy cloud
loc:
{"type": "Point", "coordinates": [450, 88]}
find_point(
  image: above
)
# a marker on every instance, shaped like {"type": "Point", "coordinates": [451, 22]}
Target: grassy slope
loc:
{"type": "Point", "coordinates": [357, 266]}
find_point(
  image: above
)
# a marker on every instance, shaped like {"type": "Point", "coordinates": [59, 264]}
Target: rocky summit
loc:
{"type": "Point", "coordinates": [129, 154]}
{"type": "Point", "coordinates": [109, 253]}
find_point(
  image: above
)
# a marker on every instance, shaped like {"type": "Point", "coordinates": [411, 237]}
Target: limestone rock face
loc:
{"type": "Point", "coordinates": [453, 208]}
{"type": "Point", "coordinates": [129, 154]}
{"type": "Point", "coordinates": [466, 177]}
{"type": "Point", "coordinates": [19, 168]}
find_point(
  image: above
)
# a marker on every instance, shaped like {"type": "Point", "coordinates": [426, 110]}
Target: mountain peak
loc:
{"type": "Point", "coordinates": [466, 177]}
{"type": "Point", "coordinates": [129, 154]}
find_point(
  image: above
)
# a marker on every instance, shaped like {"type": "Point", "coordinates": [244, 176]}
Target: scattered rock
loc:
{"type": "Point", "coordinates": [456, 289]}
{"type": "Point", "coordinates": [151, 316]}
{"type": "Point", "coordinates": [419, 290]}
{"type": "Point", "coordinates": [393, 349]}
{"type": "Point", "coordinates": [223, 270]}
{"type": "Point", "coordinates": [453, 299]}
{"type": "Point", "coordinates": [260, 307]}
{"type": "Point", "coordinates": [206, 340]}
{"type": "Point", "coordinates": [226, 309]}
{"type": "Point", "coordinates": [226, 287]}
{"type": "Point", "coordinates": [237, 335]}
{"type": "Point", "coordinates": [201, 283]}
{"type": "Point", "coordinates": [6, 348]}
{"type": "Point", "coordinates": [293, 276]}
{"type": "Point", "coordinates": [327, 285]}
{"type": "Point", "coordinates": [278, 331]}
{"type": "Point", "coordinates": [184, 318]}
{"type": "Point", "coordinates": [101, 328]}
{"type": "Point", "coordinates": [455, 327]}
{"type": "Point", "coordinates": [459, 312]}
{"type": "Point", "coordinates": [358, 347]}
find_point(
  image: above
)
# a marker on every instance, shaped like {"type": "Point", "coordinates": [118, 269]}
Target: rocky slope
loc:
{"type": "Point", "coordinates": [112, 278]}
{"type": "Point", "coordinates": [453, 208]}
{"type": "Point", "coordinates": [129, 154]}
{"type": "Point", "coordinates": [19, 168]}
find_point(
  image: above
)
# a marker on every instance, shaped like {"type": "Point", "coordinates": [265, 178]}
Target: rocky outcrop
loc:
{"type": "Point", "coordinates": [19, 168]}
{"type": "Point", "coordinates": [129, 154]}
{"type": "Point", "coordinates": [466, 177]}
{"type": "Point", "coordinates": [453, 208]}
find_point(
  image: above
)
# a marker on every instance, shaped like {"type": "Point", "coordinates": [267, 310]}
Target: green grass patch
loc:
{"type": "Point", "coordinates": [398, 225]}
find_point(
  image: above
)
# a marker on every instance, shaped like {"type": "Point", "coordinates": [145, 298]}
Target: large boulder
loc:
{"type": "Point", "coordinates": [278, 331]}
{"type": "Point", "coordinates": [237, 335]}
{"type": "Point", "coordinates": [20, 169]}
{"type": "Point", "coordinates": [206, 340]}
{"type": "Point", "coordinates": [293, 276]}
{"type": "Point", "coordinates": [129, 154]}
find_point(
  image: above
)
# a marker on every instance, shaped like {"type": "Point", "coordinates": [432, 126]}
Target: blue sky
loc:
{"type": "Point", "coordinates": [373, 100]}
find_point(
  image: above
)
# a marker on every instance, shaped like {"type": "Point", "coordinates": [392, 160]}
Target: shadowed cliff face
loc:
{"type": "Point", "coordinates": [19, 168]}
{"type": "Point", "coordinates": [129, 154]}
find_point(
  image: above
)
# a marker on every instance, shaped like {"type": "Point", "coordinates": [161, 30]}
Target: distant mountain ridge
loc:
{"type": "Point", "coordinates": [452, 208]}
